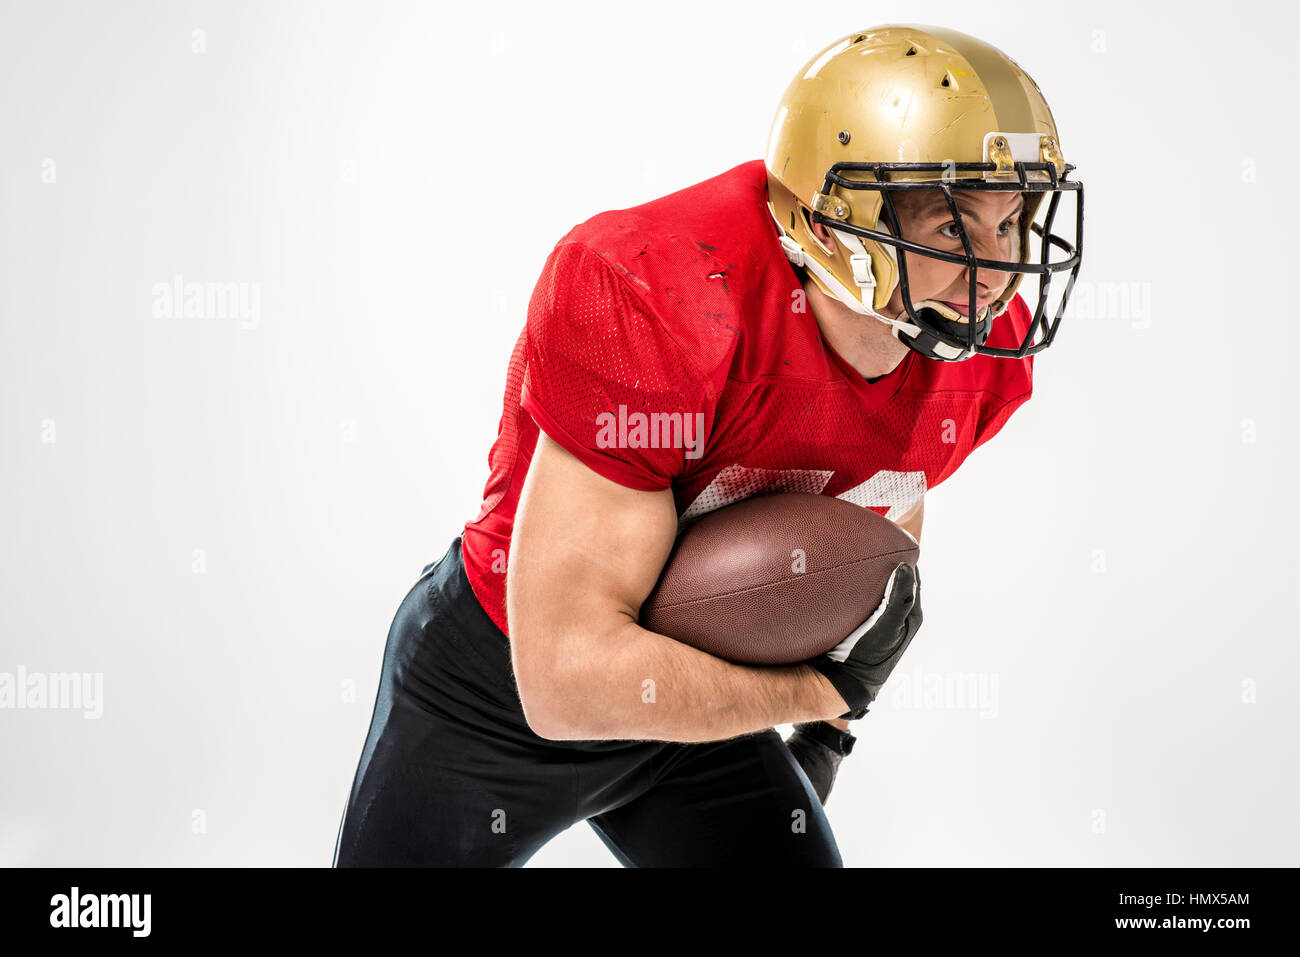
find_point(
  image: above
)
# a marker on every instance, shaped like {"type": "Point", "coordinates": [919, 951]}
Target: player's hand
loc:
{"type": "Point", "coordinates": [819, 748]}
{"type": "Point", "coordinates": [859, 664]}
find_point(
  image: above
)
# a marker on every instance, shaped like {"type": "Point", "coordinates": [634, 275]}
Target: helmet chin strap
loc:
{"type": "Point", "coordinates": [864, 278]}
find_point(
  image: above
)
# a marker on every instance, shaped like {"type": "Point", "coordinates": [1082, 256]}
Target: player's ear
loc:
{"type": "Point", "coordinates": [819, 232]}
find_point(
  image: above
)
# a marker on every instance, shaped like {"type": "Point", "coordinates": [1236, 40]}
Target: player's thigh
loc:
{"type": "Point", "coordinates": [450, 773]}
{"type": "Point", "coordinates": [742, 802]}
{"type": "Point", "coordinates": [432, 794]}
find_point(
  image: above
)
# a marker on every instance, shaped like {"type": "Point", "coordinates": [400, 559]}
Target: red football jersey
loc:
{"type": "Point", "coordinates": [670, 346]}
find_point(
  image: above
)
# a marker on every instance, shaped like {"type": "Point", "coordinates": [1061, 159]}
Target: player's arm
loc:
{"type": "Point", "coordinates": [585, 553]}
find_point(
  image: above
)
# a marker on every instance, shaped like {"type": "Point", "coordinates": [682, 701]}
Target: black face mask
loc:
{"type": "Point", "coordinates": [939, 337]}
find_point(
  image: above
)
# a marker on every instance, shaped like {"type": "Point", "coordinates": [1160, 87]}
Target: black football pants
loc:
{"type": "Point", "coordinates": [452, 776]}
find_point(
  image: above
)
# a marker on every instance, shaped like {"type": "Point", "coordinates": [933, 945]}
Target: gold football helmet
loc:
{"type": "Point", "coordinates": [896, 108]}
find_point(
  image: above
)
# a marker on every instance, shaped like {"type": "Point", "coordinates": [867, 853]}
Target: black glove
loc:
{"type": "Point", "coordinates": [819, 748]}
{"type": "Point", "coordinates": [859, 664]}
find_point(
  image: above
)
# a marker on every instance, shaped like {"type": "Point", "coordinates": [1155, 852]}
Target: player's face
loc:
{"type": "Point", "coordinates": [992, 222]}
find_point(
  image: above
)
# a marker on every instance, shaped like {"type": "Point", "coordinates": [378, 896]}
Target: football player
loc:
{"type": "Point", "coordinates": [840, 318]}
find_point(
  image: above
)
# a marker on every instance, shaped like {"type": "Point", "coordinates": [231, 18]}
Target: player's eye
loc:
{"type": "Point", "coordinates": [950, 230]}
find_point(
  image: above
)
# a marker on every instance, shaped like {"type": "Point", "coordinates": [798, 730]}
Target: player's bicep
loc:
{"type": "Point", "coordinates": [584, 554]}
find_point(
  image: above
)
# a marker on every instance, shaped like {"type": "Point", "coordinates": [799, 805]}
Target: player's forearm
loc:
{"type": "Point", "coordinates": [634, 684]}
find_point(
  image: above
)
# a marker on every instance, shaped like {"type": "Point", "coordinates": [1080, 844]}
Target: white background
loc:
{"type": "Point", "coordinates": [1119, 559]}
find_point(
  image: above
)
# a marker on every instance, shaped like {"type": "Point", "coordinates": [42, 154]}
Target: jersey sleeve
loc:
{"type": "Point", "coordinates": [992, 419]}
{"type": "Point", "coordinates": [604, 377]}
{"type": "Point", "coordinates": [1010, 382]}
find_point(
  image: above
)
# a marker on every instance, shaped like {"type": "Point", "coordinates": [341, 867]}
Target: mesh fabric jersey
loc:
{"type": "Point", "coordinates": [670, 345]}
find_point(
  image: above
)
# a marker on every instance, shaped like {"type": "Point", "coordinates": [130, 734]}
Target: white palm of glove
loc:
{"type": "Point", "coordinates": [841, 651]}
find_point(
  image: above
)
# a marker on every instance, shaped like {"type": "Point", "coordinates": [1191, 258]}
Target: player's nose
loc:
{"type": "Point", "coordinates": [987, 244]}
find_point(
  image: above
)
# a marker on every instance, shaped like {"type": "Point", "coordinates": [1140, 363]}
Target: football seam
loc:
{"type": "Point", "coordinates": [741, 591]}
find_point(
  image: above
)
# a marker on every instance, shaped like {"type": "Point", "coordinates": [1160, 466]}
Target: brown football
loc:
{"type": "Point", "coordinates": [776, 579]}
